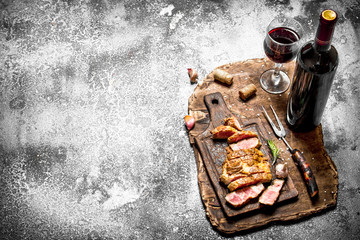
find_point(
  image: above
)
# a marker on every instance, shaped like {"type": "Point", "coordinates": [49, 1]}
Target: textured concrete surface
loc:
{"type": "Point", "coordinates": [93, 94]}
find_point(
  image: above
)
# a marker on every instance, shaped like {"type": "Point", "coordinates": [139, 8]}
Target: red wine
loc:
{"type": "Point", "coordinates": [314, 73]}
{"type": "Point", "coordinates": [278, 46]}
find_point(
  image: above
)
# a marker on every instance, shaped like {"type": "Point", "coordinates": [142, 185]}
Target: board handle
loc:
{"type": "Point", "coordinates": [217, 108]}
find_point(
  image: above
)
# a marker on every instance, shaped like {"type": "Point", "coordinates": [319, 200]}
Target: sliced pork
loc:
{"type": "Point", "coordinates": [242, 168]}
{"type": "Point", "coordinates": [242, 196]}
{"type": "Point", "coordinates": [223, 132]}
{"type": "Point", "coordinates": [272, 192]}
{"type": "Point", "coordinates": [236, 168]}
{"type": "Point", "coordinates": [249, 180]}
{"type": "Point", "coordinates": [243, 153]}
{"type": "Point", "coordinates": [232, 122]}
{"type": "Point", "coordinates": [227, 178]}
{"type": "Point", "coordinates": [253, 142]}
{"type": "Point", "coordinates": [239, 135]}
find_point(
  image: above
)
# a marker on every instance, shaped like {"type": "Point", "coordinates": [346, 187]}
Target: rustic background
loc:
{"type": "Point", "coordinates": [92, 99]}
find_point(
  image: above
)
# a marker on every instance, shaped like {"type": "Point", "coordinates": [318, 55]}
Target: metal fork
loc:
{"type": "Point", "coordinates": [281, 133]}
{"type": "Point", "coordinates": [298, 157]}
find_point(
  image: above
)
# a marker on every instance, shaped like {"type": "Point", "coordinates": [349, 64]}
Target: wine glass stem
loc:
{"type": "Point", "coordinates": [276, 76]}
{"type": "Point", "coordinates": [277, 69]}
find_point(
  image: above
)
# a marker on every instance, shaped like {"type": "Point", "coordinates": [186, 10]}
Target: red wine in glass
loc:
{"type": "Point", "coordinates": [281, 45]}
{"type": "Point", "coordinates": [281, 53]}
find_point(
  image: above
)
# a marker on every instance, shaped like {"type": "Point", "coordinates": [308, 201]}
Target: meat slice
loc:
{"type": "Point", "coordinates": [241, 165]}
{"type": "Point", "coordinates": [228, 178]}
{"type": "Point", "coordinates": [253, 142]}
{"type": "Point", "coordinates": [249, 180]}
{"type": "Point", "coordinates": [253, 152]}
{"type": "Point", "coordinates": [271, 194]}
{"type": "Point", "coordinates": [242, 196]}
{"type": "Point", "coordinates": [237, 168]}
{"type": "Point", "coordinates": [239, 135]}
{"type": "Point", "coordinates": [236, 154]}
{"type": "Point", "coordinates": [232, 122]}
{"type": "Point", "coordinates": [223, 132]}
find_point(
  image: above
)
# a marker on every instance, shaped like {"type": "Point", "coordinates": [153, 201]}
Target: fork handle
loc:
{"type": "Point", "coordinates": [307, 174]}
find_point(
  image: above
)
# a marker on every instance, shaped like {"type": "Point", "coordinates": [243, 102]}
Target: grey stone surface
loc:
{"type": "Point", "coordinates": [93, 95]}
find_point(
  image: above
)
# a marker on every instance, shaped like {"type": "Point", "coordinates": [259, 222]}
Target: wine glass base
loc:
{"type": "Point", "coordinates": [273, 84]}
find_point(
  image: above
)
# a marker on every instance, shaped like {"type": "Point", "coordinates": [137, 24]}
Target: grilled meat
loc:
{"type": "Point", "coordinates": [242, 196]}
{"type": "Point", "coordinates": [243, 166]}
{"type": "Point", "coordinates": [253, 142]}
{"type": "Point", "coordinates": [232, 122]}
{"type": "Point", "coordinates": [239, 135]}
{"type": "Point", "coordinates": [249, 180]}
{"type": "Point", "coordinates": [223, 132]}
{"type": "Point", "coordinates": [244, 152]}
{"type": "Point", "coordinates": [272, 192]}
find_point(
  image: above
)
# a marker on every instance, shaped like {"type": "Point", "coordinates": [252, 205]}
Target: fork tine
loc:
{"type": "Point", "coordinates": [275, 129]}
{"type": "Point", "coordinates": [278, 120]}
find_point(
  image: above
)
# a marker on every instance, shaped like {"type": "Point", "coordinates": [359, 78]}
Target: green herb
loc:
{"type": "Point", "coordinates": [274, 150]}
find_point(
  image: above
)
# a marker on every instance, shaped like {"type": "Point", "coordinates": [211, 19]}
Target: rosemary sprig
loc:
{"type": "Point", "coordinates": [274, 150]}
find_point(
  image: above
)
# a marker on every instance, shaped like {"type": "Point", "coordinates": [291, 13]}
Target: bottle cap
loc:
{"type": "Point", "coordinates": [328, 19]}
{"type": "Point", "coordinates": [329, 15]}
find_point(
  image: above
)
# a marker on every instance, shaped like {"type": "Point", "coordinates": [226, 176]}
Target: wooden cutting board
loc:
{"type": "Point", "coordinates": [249, 112]}
{"type": "Point", "coordinates": [213, 154]}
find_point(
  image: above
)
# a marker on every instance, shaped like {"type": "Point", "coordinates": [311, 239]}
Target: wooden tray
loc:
{"type": "Point", "coordinates": [213, 154]}
{"type": "Point", "coordinates": [311, 143]}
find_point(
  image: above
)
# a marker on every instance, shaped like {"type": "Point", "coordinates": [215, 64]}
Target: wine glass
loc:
{"type": "Point", "coordinates": [281, 44]}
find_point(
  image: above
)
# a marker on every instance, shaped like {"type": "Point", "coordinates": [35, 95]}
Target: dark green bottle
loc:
{"type": "Point", "coordinates": [314, 73]}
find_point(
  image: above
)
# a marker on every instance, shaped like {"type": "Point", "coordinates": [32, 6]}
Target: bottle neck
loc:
{"type": "Point", "coordinates": [324, 34]}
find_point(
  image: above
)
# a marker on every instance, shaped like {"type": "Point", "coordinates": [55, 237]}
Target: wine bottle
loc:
{"type": "Point", "coordinates": [315, 68]}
